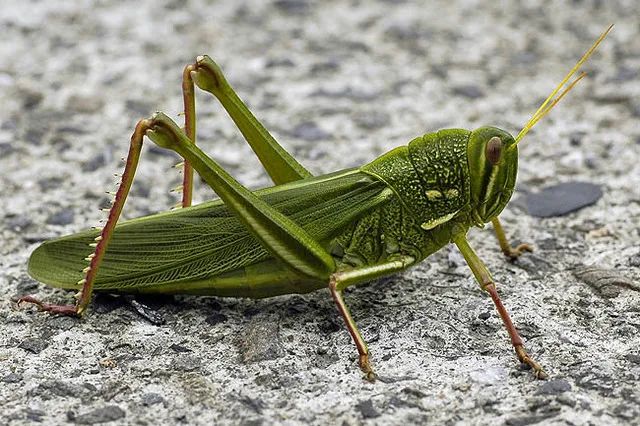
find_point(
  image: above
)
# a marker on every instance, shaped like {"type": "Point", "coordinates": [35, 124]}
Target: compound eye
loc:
{"type": "Point", "coordinates": [494, 150]}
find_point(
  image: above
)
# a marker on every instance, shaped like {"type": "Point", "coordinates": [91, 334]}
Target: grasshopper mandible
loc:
{"type": "Point", "coordinates": [306, 232]}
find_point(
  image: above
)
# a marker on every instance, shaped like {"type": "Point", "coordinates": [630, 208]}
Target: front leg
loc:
{"type": "Point", "coordinates": [505, 246]}
{"type": "Point", "coordinates": [486, 282]}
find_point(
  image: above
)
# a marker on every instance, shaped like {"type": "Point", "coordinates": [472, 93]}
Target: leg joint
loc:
{"type": "Point", "coordinates": [486, 282]}
{"type": "Point", "coordinates": [208, 75]}
{"type": "Point", "coordinates": [333, 283]}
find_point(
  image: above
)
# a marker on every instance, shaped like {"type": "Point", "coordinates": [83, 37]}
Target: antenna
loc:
{"type": "Point", "coordinates": [550, 102]}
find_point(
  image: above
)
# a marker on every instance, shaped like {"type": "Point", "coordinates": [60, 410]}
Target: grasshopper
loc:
{"type": "Point", "coordinates": [306, 232]}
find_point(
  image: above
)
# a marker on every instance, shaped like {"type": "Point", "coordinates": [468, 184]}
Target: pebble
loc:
{"type": "Point", "coordinates": [186, 363]}
{"type": "Point", "coordinates": [309, 131]}
{"type": "Point", "coordinates": [489, 375]}
{"type": "Point", "coordinates": [94, 163]}
{"type": "Point", "coordinates": [216, 318]}
{"type": "Point", "coordinates": [608, 283]}
{"type": "Point", "coordinates": [12, 378]}
{"type": "Point", "coordinates": [151, 398]}
{"type": "Point", "coordinates": [561, 199]}
{"type": "Point", "coordinates": [62, 217]}
{"type": "Point", "coordinates": [554, 387]}
{"type": "Point", "coordinates": [101, 415]}
{"type": "Point", "coordinates": [34, 345]}
{"type": "Point", "coordinates": [371, 120]}
{"type": "Point", "coordinates": [468, 91]}
{"type": "Point", "coordinates": [261, 340]}
{"type": "Point", "coordinates": [367, 409]}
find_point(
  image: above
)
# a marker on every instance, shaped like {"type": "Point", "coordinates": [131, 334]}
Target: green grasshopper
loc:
{"type": "Point", "coordinates": [306, 232]}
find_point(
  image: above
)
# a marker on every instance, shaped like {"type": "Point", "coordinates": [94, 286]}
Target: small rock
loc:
{"type": "Point", "coordinates": [34, 345]}
{"type": "Point", "coordinates": [489, 375]}
{"type": "Point", "coordinates": [216, 318]}
{"type": "Point", "coordinates": [367, 410]}
{"type": "Point", "coordinates": [49, 183]}
{"type": "Point", "coordinates": [179, 348]}
{"type": "Point", "coordinates": [62, 388]}
{"type": "Point", "coordinates": [6, 149]}
{"type": "Point", "coordinates": [347, 93]}
{"type": "Point", "coordinates": [108, 363]}
{"type": "Point", "coordinates": [485, 316]}
{"type": "Point", "coordinates": [279, 62]}
{"type": "Point", "coordinates": [566, 400]}
{"type": "Point", "coordinates": [330, 64]}
{"type": "Point", "coordinates": [554, 387]}
{"type": "Point", "coordinates": [26, 286]}
{"type": "Point", "coordinates": [111, 389]}
{"type": "Point", "coordinates": [34, 415]}
{"type": "Point", "coordinates": [293, 7]}
{"type": "Point", "coordinates": [35, 133]}
{"type": "Point", "coordinates": [468, 91]}
{"type": "Point", "coordinates": [607, 283]}
{"type": "Point", "coordinates": [371, 120]}
{"type": "Point", "coordinates": [635, 260]}
{"type": "Point", "coordinates": [186, 363]}
{"type": "Point", "coordinates": [527, 420]}
{"type": "Point", "coordinates": [95, 163]}
{"type": "Point", "coordinates": [63, 217]}
{"type": "Point", "coordinates": [575, 138]}
{"type": "Point", "coordinates": [18, 223]}
{"type": "Point", "coordinates": [255, 404]}
{"type": "Point", "coordinates": [31, 98]}
{"type": "Point", "coordinates": [329, 325]}
{"type": "Point", "coordinates": [62, 323]}
{"type": "Point", "coordinates": [261, 341]}
{"type": "Point", "coordinates": [104, 303]}
{"type": "Point", "coordinates": [625, 74]}
{"type": "Point", "coordinates": [12, 378]}
{"type": "Point", "coordinates": [146, 312]}
{"type": "Point", "coordinates": [633, 358]}
{"type": "Point", "coordinates": [561, 199]}
{"type": "Point", "coordinates": [626, 411]}
{"type": "Point", "coordinates": [100, 415]}
{"type": "Point", "coordinates": [151, 398]}
{"type": "Point", "coordinates": [309, 131]}
{"type": "Point", "coordinates": [85, 104]}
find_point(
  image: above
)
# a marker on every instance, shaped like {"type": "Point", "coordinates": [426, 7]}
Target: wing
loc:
{"type": "Point", "coordinates": [205, 240]}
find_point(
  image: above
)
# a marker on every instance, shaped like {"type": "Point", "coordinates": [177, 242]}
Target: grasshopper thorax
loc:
{"type": "Point", "coordinates": [493, 166]}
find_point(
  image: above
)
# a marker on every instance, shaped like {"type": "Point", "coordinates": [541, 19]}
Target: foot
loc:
{"type": "Point", "coordinates": [524, 358]}
{"type": "Point", "coordinates": [65, 310]}
{"type": "Point", "coordinates": [514, 253]}
{"type": "Point", "coordinates": [365, 366]}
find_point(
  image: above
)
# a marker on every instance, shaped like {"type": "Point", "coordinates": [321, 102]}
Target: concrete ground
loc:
{"type": "Point", "coordinates": [338, 83]}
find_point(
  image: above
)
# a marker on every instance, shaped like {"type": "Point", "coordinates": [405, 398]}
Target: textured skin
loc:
{"type": "Point", "coordinates": [410, 201]}
{"type": "Point", "coordinates": [443, 185]}
{"type": "Point", "coordinates": [430, 175]}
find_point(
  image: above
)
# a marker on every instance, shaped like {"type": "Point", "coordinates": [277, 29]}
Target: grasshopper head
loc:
{"type": "Point", "coordinates": [493, 166]}
{"type": "Point", "coordinates": [493, 153]}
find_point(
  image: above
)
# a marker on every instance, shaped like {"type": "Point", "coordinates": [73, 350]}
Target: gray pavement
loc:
{"type": "Point", "coordinates": [338, 83]}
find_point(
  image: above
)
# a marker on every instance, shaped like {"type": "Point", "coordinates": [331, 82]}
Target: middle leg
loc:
{"type": "Point", "coordinates": [341, 280]}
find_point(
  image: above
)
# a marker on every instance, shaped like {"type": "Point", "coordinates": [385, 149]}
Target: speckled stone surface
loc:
{"type": "Point", "coordinates": [338, 83]}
